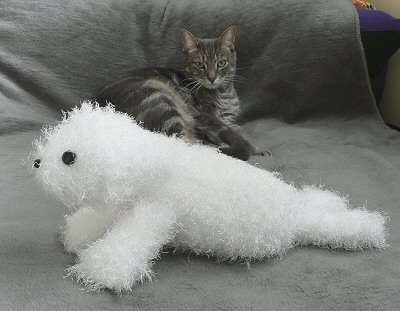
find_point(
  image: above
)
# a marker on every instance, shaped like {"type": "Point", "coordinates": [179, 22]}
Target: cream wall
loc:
{"type": "Point", "coordinates": [390, 105]}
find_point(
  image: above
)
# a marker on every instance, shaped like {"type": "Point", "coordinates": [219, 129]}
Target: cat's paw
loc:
{"type": "Point", "coordinates": [257, 152]}
{"type": "Point", "coordinates": [238, 152]}
{"type": "Point", "coordinates": [264, 153]}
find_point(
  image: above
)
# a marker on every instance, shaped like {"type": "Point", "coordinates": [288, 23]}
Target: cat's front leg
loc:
{"type": "Point", "coordinates": [254, 150]}
{"type": "Point", "coordinates": [239, 147]}
{"type": "Point", "coordinates": [125, 254]}
{"type": "Point", "coordinates": [243, 150]}
{"type": "Point", "coordinates": [84, 227]}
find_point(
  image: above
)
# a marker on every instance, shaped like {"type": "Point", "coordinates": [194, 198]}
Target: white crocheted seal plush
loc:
{"type": "Point", "coordinates": [132, 192]}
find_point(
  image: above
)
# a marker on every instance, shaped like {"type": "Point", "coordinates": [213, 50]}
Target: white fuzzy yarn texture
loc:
{"type": "Point", "coordinates": [133, 191]}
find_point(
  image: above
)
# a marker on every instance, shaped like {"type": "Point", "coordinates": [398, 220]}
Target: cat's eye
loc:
{"type": "Point", "coordinates": [199, 65]}
{"type": "Point", "coordinates": [221, 63]}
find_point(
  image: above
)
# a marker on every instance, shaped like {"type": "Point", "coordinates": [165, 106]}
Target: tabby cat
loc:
{"type": "Point", "coordinates": [198, 103]}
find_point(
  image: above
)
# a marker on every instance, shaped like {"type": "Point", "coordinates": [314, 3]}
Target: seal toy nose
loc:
{"type": "Point", "coordinates": [36, 163]}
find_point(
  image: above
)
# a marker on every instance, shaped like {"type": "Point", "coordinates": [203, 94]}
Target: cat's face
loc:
{"type": "Point", "coordinates": [210, 62]}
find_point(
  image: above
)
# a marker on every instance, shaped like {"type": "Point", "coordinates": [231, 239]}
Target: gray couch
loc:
{"type": "Point", "coordinates": [306, 96]}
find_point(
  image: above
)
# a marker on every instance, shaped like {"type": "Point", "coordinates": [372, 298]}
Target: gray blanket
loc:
{"type": "Point", "coordinates": [306, 96]}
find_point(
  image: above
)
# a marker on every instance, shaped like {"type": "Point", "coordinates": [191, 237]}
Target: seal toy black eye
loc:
{"type": "Point", "coordinates": [36, 163]}
{"type": "Point", "coordinates": [68, 157]}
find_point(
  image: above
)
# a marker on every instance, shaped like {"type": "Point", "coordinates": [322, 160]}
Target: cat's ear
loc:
{"type": "Point", "coordinates": [189, 42]}
{"type": "Point", "coordinates": [228, 38]}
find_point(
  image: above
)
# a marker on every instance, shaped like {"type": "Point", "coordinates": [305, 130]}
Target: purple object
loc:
{"type": "Point", "coordinates": [380, 34]}
{"type": "Point", "coordinates": [374, 20]}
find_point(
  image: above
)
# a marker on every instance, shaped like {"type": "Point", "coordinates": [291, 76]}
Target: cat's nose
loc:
{"type": "Point", "coordinates": [212, 79]}
{"type": "Point", "coordinates": [36, 163]}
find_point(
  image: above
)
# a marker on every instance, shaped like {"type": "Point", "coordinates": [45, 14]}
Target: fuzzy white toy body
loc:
{"type": "Point", "coordinates": [135, 191]}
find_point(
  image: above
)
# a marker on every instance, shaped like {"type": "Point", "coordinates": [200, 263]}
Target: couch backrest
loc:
{"type": "Point", "coordinates": [298, 58]}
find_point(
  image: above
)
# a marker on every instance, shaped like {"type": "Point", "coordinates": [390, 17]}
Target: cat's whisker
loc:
{"type": "Point", "coordinates": [240, 78]}
{"type": "Point", "coordinates": [241, 68]}
{"type": "Point", "coordinates": [186, 79]}
{"type": "Point", "coordinates": [192, 83]}
{"type": "Point", "coordinates": [228, 81]}
{"type": "Point", "coordinates": [195, 87]}
{"type": "Point", "coordinates": [236, 80]}
{"type": "Point", "coordinates": [237, 76]}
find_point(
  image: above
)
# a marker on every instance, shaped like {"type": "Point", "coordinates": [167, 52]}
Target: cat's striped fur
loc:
{"type": "Point", "coordinates": [198, 103]}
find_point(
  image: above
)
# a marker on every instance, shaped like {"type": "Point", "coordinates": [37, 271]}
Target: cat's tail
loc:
{"type": "Point", "coordinates": [325, 219]}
